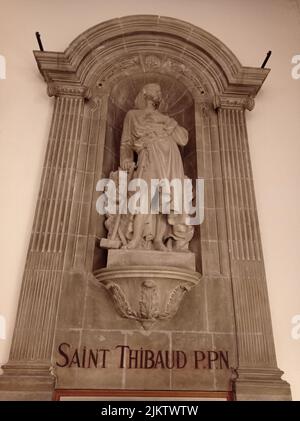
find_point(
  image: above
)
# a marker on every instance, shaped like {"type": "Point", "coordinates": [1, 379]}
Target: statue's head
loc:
{"type": "Point", "coordinates": [152, 92]}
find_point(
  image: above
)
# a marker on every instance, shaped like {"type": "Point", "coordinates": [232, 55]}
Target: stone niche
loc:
{"type": "Point", "coordinates": [178, 103]}
{"type": "Point", "coordinates": [68, 334]}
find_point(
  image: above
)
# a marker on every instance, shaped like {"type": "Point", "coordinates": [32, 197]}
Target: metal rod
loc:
{"type": "Point", "coordinates": [38, 37]}
{"type": "Point", "coordinates": [266, 59]}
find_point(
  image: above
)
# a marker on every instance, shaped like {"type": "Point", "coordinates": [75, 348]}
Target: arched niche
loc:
{"type": "Point", "coordinates": [178, 102]}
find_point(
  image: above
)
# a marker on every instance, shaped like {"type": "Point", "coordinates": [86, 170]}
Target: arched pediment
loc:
{"type": "Point", "coordinates": [181, 48]}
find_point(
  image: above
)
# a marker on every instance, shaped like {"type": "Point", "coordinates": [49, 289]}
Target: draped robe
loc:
{"type": "Point", "coordinates": [155, 138]}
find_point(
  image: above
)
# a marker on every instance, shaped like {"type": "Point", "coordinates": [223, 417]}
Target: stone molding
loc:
{"type": "Point", "coordinates": [59, 90]}
{"type": "Point", "coordinates": [261, 384]}
{"type": "Point", "coordinates": [234, 102]}
{"type": "Point", "coordinates": [124, 36]}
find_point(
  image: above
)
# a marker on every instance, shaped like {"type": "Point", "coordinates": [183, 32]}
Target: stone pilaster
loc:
{"type": "Point", "coordinates": [258, 375]}
{"type": "Point", "coordinates": [29, 368]}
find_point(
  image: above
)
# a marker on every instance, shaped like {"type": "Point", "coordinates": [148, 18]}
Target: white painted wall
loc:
{"type": "Point", "coordinates": [249, 28]}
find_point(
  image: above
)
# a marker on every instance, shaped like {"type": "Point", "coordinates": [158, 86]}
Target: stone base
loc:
{"type": "Point", "coordinates": [261, 384]}
{"type": "Point", "coordinates": [127, 258]}
{"type": "Point", "coordinates": [26, 382]}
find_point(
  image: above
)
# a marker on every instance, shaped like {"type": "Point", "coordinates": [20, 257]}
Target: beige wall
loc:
{"type": "Point", "coordinates": [249, 28]}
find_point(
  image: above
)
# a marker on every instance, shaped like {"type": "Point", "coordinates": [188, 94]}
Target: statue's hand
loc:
{"type": "Point", "coordinates": [127, 165]}
{"type": "Point", "coordinates": [172, 124]}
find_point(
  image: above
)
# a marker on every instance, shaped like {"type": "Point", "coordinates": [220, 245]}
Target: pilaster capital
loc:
{"type": "Point", "coordinates": [69, 90]}
{"type": "Point", "coordinates": [234, 102]}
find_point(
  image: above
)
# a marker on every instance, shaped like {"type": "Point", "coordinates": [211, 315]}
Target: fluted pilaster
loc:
{"type": "Point", "coordinates": [33, 336]}
{"type": "Point", "coordinates": [255, 345]}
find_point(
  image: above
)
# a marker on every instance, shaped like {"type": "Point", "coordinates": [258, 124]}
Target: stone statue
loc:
{"type": "Point", "coordinates": [153, 138]}
{"type": "Point", "coordinates": [151, 268]}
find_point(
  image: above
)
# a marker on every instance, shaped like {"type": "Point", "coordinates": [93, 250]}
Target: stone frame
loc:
{"type": "Point", "coordinates": [65, 228]}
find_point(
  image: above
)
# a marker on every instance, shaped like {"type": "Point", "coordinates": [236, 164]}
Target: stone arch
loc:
{"type": "Point", "coordinates": [127, 35]}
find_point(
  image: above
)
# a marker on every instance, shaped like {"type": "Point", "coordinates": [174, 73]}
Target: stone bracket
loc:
{"type": "Point", "coordinates": [147, 294]}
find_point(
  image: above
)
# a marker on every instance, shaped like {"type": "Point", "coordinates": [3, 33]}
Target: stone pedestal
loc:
{"type": "Point", "coordinates": [123, 257]}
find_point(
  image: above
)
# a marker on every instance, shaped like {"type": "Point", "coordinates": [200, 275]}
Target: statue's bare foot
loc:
{"type": "Point", "coordinates": [159, 245]}
{"type": "Point", "coordinates": [133, 244]}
